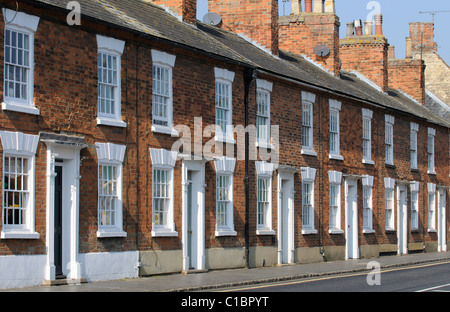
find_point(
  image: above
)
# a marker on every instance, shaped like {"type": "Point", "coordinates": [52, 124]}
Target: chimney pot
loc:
{"type": "Point", "coordinates": [318, 6]}
{"type": "Point", "coordinates": [391, 53]}
{"type": "Point", "coordinates": [409, 53]}
{"type": "Point", "coordinates": [358, 27]}
{"type": "Point", "coordinates": [330, 6]}
{"type": "Point", "coordinates": [368, 28]}
{"type": "Point", "coordinates": [296, 7]}
{"type": "Point", "coordinates": [308, 6]}
{"type": "Point", "coordinates": [350, 29]}
{"type": "Point", "coordinates": [379, 24]}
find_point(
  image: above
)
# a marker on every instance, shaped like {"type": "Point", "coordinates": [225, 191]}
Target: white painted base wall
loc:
{"type": "Point", "coordinates": [106, 266]}
{"type": "Point", "coordinates": [21, 271]}
{"type": "Point", "coordinates": [29, 271]}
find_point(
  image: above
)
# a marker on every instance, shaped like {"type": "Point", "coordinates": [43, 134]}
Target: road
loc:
{"type": "Point", "coordinates": [433, 277]}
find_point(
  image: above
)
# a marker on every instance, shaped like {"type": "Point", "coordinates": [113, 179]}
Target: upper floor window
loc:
{"type": "Point", "coordinates": [224, 105]}
{"type": "Point", "coordinates": [18, 82]}
{"type": "Point", "coordinates": [431, 135]}
{"type": "Point", "coordinates": [335, 108]}
{"type": "Point", "coordinates": [110, 215]}
{"type": "Point", "coordinates": [109, 81]}
{"type": "Point", "coordinates": [162, 91]}
{"type": "Point", "coordinates": [308, 100]}
{"type": "Point", "coordinates": [413, 147]}
{"type": "Point", "coordinates": [18, 212]}
{"type": "Point", "coordinates": [263, 90]}
{"type": "Point", "coordinates": [367, 136]}
{"type": "Point", "coordinates": [389, 139]}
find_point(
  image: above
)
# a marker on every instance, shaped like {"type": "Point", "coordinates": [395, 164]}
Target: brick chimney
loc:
{"type": "Point", "coordinates": [187, 9]}
{"type": "Point", "coordinates": [256, 20]}
{"type": "Point", "coordinates": [422, 36]}
{"type": "Point", "coordinates": [301, 32]}
{"type": "Point", "coordinates": [408, 75]}
{"type": "Point", "coordinates": [366, 53]}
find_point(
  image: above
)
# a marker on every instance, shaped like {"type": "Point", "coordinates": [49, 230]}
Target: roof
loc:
{"type": "Point", "coordinates": [150, 20]}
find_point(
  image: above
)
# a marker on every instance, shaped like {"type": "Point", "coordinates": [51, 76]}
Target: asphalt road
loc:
{"type": "Point", "coordinates": [433, 277]}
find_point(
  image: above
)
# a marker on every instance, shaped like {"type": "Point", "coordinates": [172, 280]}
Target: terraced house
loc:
{"type": "Point", "coordinates": [137, 140]}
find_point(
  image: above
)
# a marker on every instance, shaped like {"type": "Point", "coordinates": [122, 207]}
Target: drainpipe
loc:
{"type": "Point", "coordinates": [249, 76]}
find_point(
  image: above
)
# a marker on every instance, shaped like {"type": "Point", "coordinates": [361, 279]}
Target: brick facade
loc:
{"type": "Point", "coordinates": [66, 91]}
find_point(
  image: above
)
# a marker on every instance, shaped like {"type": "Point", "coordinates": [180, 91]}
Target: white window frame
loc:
{"type": "Point", "coordinates": [335, 178]}
{"type": "Point", "coordinates": [431, 207]}
{"type": "Point", "coordinates": [308, 178]}
{"type": "Point", "coordinates": [389, 203]}
{"type": "Point", "coordinates": [224, 167]}
{"type": "Point", "coordinates": [335, 140]}
{"type": "Point", "coordinates": [113, 47]}
{"type": "Point", "coordinates": [25, 24]}
{"type": "Point", "coordinates": [164, 160]}
{"type": "Point", "coordinates": [111, 155]}
{"type": "Point", "coordinates": [389, 139]}
{"type": "Point", "coordinates": [367, 186]}
{"type": "Point", "coordinates": [413, 145]}
{"type": "Point", "coordinates": [264, 171]}
{"type": "Point", "coordinates": [164, 61]}
{"type": "Point", "coordinates": [367, 116]}
{"type": "Point", "coordinates": [431, 151]}
{"type": "Point", "coordinates": [225, 78]}
{"type": "Point", "coordinates": [263, 91]}
{"type": "Point", "coordinates": [17, 144]}
{"type": "Point", "coordinates": [308, 100]}
{"type": "Point", "coordinates": [414, 188]}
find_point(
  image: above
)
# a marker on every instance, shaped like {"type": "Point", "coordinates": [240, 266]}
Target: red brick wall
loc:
{"type": "Point", "coordinates": [408, 75]}
{"type": "Point", "coordinates": [422, 35]}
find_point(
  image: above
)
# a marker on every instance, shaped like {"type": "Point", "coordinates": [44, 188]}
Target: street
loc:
{"type": "Point", "coordinates": [433, 277]}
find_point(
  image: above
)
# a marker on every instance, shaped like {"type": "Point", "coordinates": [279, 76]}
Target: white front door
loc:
{"type": "Point", "coordinates": [351, 219]}
{"type": "Point", "coordinates": [286, 218]}
{"type": "Point", "coordinates": [402, 234]}
{"type": "Point", "coordinates": [442, 237]}
{"type": "Point", "coordinates": [193, 215]}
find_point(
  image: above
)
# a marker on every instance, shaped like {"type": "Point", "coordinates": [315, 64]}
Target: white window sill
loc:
{"type": "Point", "coordinates": [165, 130]}
{"type": "Point", "coordinates": [225, 233]}
{"type": "Point", "coordinates": [224, 139]}
{"type": "Point", "coordinates": [431, 172]}
{"type": "Point", "coordinates": [266, 145]}
{"type": "Point", "coordinates": [336, 231]}
{"type": "Point", "coordinates": [309, 231]}
{"type": "Point", "coordinates": [368, 162]}
{"type": "Point", "coordinates": [19, 235]}
{"type": "Point", "coordinates": [111, 122]}
{"type": "Point", "coordinates": [265, 232]}
{"type": "Point", "coordinates": [432, 230]}
{"type": "Point", "coordinates": [308, 152]}
{"type": "Point", "coordinates": [335, 156]}
{"type": "Point", "coordinates": [390, 230]}
{"type": "Point", "coordinates": [368, 231]}
{"type": "Point", "coordinates": [164, 233]}
{"type": "Point", "coordinates": [21, 108]}
{"type": "Point", "coordinates": [111, 233]}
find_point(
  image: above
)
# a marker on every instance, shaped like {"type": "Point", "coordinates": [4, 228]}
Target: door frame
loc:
{"type": "Point", "coordinates": [286, 175]}
{"type": "Point", "coordinates": [402, 219]}
{"type": "Point", "coordinates": [441, 220]}
{"type": "Point", "coordinates": [351, 249]}
{"type": "Point", "coordinates": [70, 154]}
{"type": "Point", "coordinates": [193, 165]}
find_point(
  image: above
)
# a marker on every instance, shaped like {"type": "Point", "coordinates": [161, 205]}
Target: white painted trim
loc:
{"type": "Point", "coordinates": [289, 176]}
{"type": "Point", "coordinates": [112, 45]}
{"type": "Point", "coordinates": [22, 271]}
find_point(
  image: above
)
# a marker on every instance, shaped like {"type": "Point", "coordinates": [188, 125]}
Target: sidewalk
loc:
{"type": "Point", "coordinates": [238, 277]}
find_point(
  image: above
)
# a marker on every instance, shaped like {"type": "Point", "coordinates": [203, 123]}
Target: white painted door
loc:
{"type": "Point", "coordinates": [402, 234]}
{"type": "Point", "coordinates": [442, 237]}
{"type": "Point", "coordinates": [352, 251]}
{"type": "Point", "coordinates": [286, 218]}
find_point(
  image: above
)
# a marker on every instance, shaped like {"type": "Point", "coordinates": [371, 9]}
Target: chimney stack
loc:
{"type": "Point", "coordinates": [258, 21]}
{"type": "Point", "coordinates": [187, 9]}
{"type": "Point", "coordinates": [301, 32]}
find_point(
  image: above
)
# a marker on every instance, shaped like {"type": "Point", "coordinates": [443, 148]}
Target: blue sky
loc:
{"type": "Point", "coordinates": [396, 14]}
